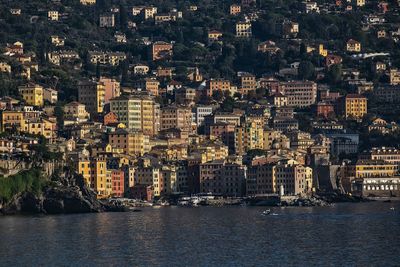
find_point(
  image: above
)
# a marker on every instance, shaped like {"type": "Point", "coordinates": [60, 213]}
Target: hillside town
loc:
{"type": "Point", "coordinates": [234, 98]}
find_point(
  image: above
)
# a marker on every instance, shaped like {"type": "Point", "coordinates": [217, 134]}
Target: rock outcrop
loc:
{"type": "Point", "coordinates": [67, 195]}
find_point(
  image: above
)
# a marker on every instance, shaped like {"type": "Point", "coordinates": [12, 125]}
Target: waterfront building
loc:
{"type": "Point", "coordinates": [220, 178]}
{"type": "Point", "coordinates": [269, 178]}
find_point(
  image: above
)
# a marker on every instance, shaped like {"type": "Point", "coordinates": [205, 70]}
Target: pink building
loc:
{"type": "Point", "coordinates": [111, 88]}
{"type": "Point", "coordinates": [117, 182]}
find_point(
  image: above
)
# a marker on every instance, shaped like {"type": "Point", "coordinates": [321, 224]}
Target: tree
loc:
{"type": "Point", "coordinates": [228, 104]}
{"type": "Point", "coordinates": [123, 19]}
{"type": "Point", "coordinates": [335, 74]}
{"type": "Point", "coordinates": [59, 113]}
{"type": "Point", "coordinates": [218, 95]}
{"type": "Point", "coordinates": [306, 70]}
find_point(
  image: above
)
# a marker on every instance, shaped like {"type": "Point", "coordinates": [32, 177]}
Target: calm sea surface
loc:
{"type": "Point", "coordinates": [366, 234]}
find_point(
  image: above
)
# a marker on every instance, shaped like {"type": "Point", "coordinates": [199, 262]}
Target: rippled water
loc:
{"type": "Point", "coordinates": [364, 234]}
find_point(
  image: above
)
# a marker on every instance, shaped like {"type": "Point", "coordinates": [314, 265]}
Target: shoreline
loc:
{"type": "Point", "coordinates": [134, 205]}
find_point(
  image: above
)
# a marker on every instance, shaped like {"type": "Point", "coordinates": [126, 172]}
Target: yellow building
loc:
{"type": "Point", "coordinates": [88, 2]}
{"type": "Point", "coordinates": [322, 51]}
{"type": "Point", "coordinates": [360, 2]}
{"type": "Point", "coordinates": [249, 136]}
{"type": "Point", "coordinates": [368, 169]}
{"type": "Point", "coordinates": [355, 106]}
{"type": "Point", "coordinates": [94, 171]}
{"type": "Point", "coordinates": [32, 94]}
{"type": "Point", "coordinates": [209, 151]}
{"type": "Point", "coordinates": [11, 119]}
{"type": "Point", "coordinates": [132, 142]}
{"type": "Point", "coordinates": [373, 168]}
{"type": "Point", "coordinates": [214, 36]}
{"type": "Point", "coordinates": [40, 126]}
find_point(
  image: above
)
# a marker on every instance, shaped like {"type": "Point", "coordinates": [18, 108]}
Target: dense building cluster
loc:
{"type": "Point", "coordinates": [229, 98]}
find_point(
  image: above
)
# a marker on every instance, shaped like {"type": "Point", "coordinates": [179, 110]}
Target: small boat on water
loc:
{"type": "Point", "coordinates": [266, 212]}
{"type": "Point", "coordinates": [391, 208]}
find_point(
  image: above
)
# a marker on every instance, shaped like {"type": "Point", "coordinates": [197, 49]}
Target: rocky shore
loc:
{"type": "Point", "coordinates": [68, 195]}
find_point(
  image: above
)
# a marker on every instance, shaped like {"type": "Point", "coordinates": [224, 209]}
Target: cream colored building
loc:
{"type": "Point", "coordinates": [76, 110]}
{"type": "Point", "coordinates": [53, 15]}
{"type": "Point", "coordinates": [394, 76]}
{"type": "Point", "coordinates": [88, 2]}
{"type": "Point", "coordinates": [243, 30]}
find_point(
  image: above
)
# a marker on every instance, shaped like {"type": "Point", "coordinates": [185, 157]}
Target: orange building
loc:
{"type": "Point", "coordinates": [161, 50]}
{"type": "Point", "coordinates": [235, 9]}
{"type": "Point", "coordinates": [217, 85]}
{"type": "Point", "coordinates": [110, 118]}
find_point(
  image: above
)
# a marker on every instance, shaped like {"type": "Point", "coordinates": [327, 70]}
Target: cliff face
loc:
{"type": "Point", "coordinates": [68, 195]}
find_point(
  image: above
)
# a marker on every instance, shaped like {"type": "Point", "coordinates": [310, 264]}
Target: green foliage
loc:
{"type": "Point", "coordinates": [26, 181]}
{"type": "Point", "coordinates": [306, 70]}
{"type": "Point", "coordinates": [335, 74]}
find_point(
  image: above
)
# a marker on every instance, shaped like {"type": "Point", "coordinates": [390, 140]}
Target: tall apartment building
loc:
{"type": "Point", "coordinates": [248, 136]}
{"type": "Point", "coordinates": [139, 113]}
{"type": "Point", "coordinates": [111, 88]}
{"type": "Point", "coordinates": [91, 93]}
{"type": "Point", "coordinates": [243, 29]}
{"type": "Point", "coordinates": [299, 93]}
{"type": "Point", "coordinates": [32, 94]}
{"type": "Point", "coordinates": [179, 117]}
